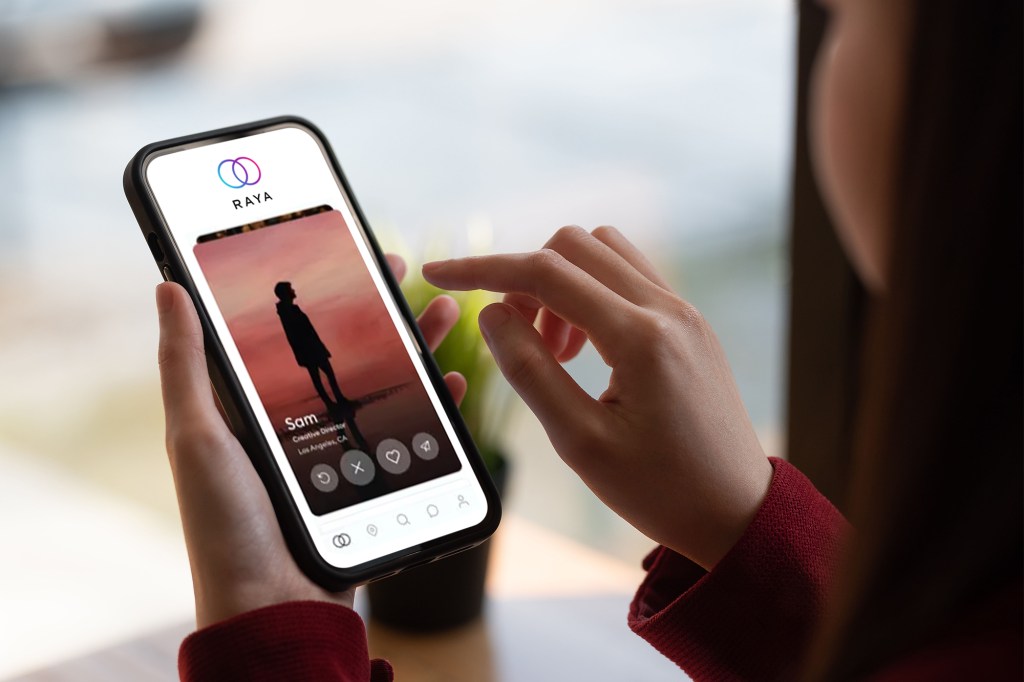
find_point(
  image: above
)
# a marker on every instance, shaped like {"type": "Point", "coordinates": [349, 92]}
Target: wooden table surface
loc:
{"type": "Point", "coordinates": [556, 610]}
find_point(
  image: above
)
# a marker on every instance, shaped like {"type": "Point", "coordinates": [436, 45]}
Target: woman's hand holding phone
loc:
{"type": "Point", "coordinates": [237, 553]}
{"type": "Point", "coordinates": [669, 445]}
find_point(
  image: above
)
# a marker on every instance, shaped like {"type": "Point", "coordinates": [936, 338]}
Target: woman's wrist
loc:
{"type": "Point", "coordinates": [243, 597]}
{"type": "Point", "coordinates": [728, 519]}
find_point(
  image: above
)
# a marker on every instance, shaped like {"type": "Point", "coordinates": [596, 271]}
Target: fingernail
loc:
{"type": "Point", "coordinates": [492, 317]}
{"type": "Point", "coordinates": [434, 266]}
{"type": "Point", "coordinates": [164, 298]}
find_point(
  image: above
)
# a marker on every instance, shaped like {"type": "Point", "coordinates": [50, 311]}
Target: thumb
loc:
{"type": "Point", "coordinates": [188, 400]}
{"type": "Point", "coordinates": [534, 373]}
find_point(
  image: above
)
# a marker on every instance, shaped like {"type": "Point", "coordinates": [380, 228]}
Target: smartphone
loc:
{"type": "Point", "coordinates": [313, 352]}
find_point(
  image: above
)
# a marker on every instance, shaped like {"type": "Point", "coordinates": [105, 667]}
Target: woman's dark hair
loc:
{"type": "Point", "coordinates": [936, 496]}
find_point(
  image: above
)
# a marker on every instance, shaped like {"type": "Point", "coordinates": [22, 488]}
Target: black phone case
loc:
{"type": "Point", "coordinates": [236, 405]}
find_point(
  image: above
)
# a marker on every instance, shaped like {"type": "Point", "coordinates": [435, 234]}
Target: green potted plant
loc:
{"type": "Point", "coordinates": [450, 592]}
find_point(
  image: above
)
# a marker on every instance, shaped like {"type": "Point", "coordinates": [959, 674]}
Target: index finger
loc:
{"type": "Point", "coordinates": [547, 277]}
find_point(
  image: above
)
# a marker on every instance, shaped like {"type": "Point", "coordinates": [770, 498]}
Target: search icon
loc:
{"type": "Point", "coordinates": [402, 519]}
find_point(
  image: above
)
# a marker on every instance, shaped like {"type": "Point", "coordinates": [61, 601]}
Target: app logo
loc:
{"type": "Point", "coordinates": [240, 172]}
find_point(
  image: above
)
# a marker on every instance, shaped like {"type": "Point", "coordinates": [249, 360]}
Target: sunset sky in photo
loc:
{"type": "Point", "coordinates": [319, 257]}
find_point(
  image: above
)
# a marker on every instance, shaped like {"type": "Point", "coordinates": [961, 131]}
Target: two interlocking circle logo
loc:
{"type": "Point", "coordinates": [237, 173]}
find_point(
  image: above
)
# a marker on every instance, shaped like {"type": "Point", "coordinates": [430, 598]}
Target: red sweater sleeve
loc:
{"type": "Point", "coordinates": [750, 617]}
{"type": "Point", "coordinates": [302, 640]}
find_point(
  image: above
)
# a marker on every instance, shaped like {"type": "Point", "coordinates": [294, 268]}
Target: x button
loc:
{"type": "Point", "coordinates": [357, 467]}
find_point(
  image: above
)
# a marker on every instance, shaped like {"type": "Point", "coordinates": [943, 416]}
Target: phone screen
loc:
{"type": "Point", "coordinates": [335, 379]}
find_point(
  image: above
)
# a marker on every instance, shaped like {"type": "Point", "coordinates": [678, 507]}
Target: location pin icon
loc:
{"type": "Point", "coordinates": [372, 530]}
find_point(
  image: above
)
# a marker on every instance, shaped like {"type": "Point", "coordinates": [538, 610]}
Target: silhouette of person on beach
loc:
{"type": "Point", "coordinates": [310, 351]}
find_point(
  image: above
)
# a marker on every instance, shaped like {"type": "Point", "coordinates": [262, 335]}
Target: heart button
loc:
{"type": "Point", "coordinates": [393, 456]}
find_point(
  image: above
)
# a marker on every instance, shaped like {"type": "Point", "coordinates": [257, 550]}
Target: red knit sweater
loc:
{"type": "Point", "coordinates": [748, 619]}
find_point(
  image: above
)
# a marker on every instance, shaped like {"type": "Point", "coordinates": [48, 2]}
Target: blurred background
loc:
{"type": "Point", "coordinates": [469, 124]}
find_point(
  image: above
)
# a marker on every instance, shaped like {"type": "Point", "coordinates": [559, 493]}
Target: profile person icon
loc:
{"type": "Point", "coordinates": [310, 352]}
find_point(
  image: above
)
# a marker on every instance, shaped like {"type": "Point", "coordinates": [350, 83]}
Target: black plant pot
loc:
{"type": "Point", "coordinates": [440, 595]}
